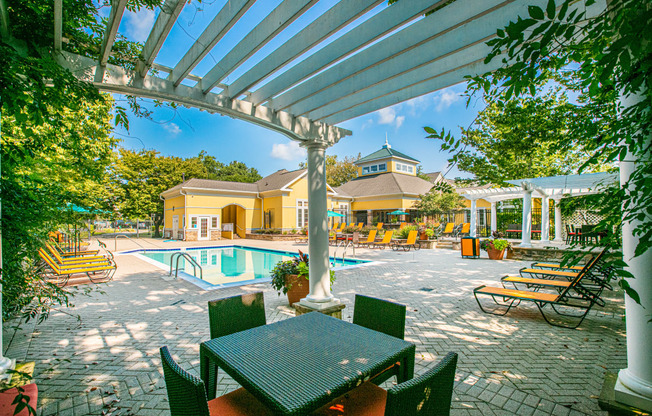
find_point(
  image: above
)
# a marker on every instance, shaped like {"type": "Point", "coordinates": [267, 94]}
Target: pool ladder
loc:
{"type": "Point", "coordinates": [192, 261]}
{"type": "Point", "coordinates": [346, 244]}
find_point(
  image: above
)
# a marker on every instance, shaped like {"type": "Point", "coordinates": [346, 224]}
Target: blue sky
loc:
{"type": "Point", "coordinates": [185, 132]}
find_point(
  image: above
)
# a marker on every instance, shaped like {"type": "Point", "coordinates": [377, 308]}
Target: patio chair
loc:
{"type": "Point", "coordinates": [74, 259]}
{"type": "Point", "coordinates": [403, 224]}
{"type": "Point", "coordinates": [600, 272]}
{"type": "Point", "coordinates": [387, 240]}
{"type": "Point", "coordinates": [514, 229]}
{"type": "Point", "coordinates": [379, 226]}
{"type": "Point", "coordinates": [572, 296]}
{"type": "Point", "coordinates": [335, 226]}
{"type": "Point", "coordinates": [571, 234]}
{"type": "Point", "coordinates": [187, 395]}
{"type": "Point", "coordinates": [410, 243]}
{"type": "Point", "coordinates": [429, 394]}
{"type": "Point", "coordinates": [382, 316]}
{"type": "Point", "coordinates": [465, 230]}
{"type": "Point", "coordinates": [66, 253]}
{"type": "Point", "coordinates": [236, 313]}
{"type": "Point", "coordinates": [448, 230]}
{"type": "Point", "coordinates": [371, 239]}
{"type": "Point", "coordinates": [359, 226]}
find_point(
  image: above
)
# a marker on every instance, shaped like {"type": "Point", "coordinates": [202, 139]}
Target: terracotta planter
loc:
{"type": "Point", "coordinates": [299, 288]}
{"type": "Point", "coordinates": [495, 254]}
{"type": "Point", "coordinates": [423, 236]}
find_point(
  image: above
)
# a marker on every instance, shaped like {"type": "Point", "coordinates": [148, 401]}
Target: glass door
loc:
{"type": "Point", "coordinates": [203, 228]}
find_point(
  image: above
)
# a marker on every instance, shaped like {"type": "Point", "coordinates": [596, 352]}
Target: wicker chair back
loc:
{"type": "Point", "coordinates": [236, 313]}
{"type": "Point", "coordinates": [186, 393]}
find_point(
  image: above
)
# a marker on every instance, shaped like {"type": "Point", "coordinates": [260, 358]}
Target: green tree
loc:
{"type": "Point", "coordinates": [338, 172]}
{"type": "Point", "coordinates": [438, 200]}
{"type": "Point", "coordinates": [233, 172]}
{"type": "Point", "coordinates": [523, 138]}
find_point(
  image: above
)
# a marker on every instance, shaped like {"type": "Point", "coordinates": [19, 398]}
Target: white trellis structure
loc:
{"type": "Point", "coordinates": [551, 188]}
{"type": "Point", "coordinates": [306, 85]}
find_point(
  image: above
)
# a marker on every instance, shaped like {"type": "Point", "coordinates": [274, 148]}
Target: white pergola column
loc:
{"type": "Point", "coordinates": [494, 218]}
{"type": "Point", "coordinates": [474, 218]}
{"type": "Point", "coordinates": [545, 219]}
{"type": "Point", "coordinates": [634, 384]}
{"type": "Point", "coordinates": [558, 226]}
{"type": "Point", "coordinates": [526, 226]}
{"type": "Point", "coordinates": [319, 277]}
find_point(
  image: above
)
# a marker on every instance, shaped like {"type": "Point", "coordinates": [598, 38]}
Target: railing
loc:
{"type": "Point", "coordinates": [192, 261]}
{"type": "Point", "coordinates": [115, 242]}
{"type": "Point", "coordinates": [349, 243]}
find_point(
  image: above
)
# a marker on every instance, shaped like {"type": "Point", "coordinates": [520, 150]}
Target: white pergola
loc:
{"type": "Point", "coordinates": [553, 187]}
{"type": "Point", "coordinates": [393, 55]}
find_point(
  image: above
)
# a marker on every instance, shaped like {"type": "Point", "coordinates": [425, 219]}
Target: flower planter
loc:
{"type": "Point", "coordinates": [423, 236]}
{"type": "Point", "coordinates": [495, 254]}
{"type": "Point", "coordinates": [299, 288]}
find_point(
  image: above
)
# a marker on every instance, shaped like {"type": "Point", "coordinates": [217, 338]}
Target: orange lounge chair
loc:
{"type": "Point", "coordinates": [448, 230]}
{"type": "Point", "coordinates": [410, 243]}
{"type": "Point", "coordinates": [387, 240]}
{"type": "Point", "coordinates": [371, 239]}
{"type": "Point", "coordinates": [403, 224]}
{"type": "Point", "coordinates": [466, 229]}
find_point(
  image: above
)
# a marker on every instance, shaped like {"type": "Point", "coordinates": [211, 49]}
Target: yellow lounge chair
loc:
{"type": "Point", "coordinates": [387, 240]}
{"type": "Point", "coordinates": [466, 229]}
{"type": "Point", "coordinates": [403, 224]}
{"type": "Point", "coordinates": [448, 229]}
{"type": "Point", "coordinates": [62, 273]}
{"type": "Point", "coordinates": [379, 226]}
{"type": "Point", "coordinates": [66, 253]}
{"type": "Point", "coordinates": [360, 226]}
{"type": "Point", "coordinates": [73, 265]}
{"type": "Point", "coordinates": [371, 239]}
{"type": "Point", "coordinates": [74, 260]}
{"type": "Point", "coordinates": [335, 226]}
{"type": "Point", "coordinates": [410, 243]}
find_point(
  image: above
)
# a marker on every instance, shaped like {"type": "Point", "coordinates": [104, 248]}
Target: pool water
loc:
{"type": "Point", "coordinates": [229, 266]}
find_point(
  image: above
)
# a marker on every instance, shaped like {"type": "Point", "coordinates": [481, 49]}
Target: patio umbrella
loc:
{"type": "Point", "coordinates": [398, 212]}
{"type": "Point", "coordinates": [334, 214]}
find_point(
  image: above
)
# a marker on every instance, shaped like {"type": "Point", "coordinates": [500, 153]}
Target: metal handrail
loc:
{"type": "Point", "coordinates": [192, 261]}
{"type": "Point", "coordinates": [352, 244]}
{"type": "Point", "coordinates": [115, 242]}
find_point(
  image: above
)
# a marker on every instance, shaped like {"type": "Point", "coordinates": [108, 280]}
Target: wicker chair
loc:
{"type": "Point", "coordinates": [429, 394]}
{"type": "Point", "coordinates": [236, 313]}
{"type": "Point", "coordinates": [187, 395]}
{"type": "Point", "coordinates": [382, 316]}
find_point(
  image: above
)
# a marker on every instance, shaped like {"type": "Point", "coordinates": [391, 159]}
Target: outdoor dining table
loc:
{"type": "Point", "coordinates": [297, 365]}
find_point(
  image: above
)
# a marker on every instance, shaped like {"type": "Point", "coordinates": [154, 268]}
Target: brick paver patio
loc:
{"type": "Point", "coordinates": [108, 362]}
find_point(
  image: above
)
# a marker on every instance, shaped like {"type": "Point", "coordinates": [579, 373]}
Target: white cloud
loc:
{"type": "Point", "coordinates": [138, 25]}
{"type": "Point", "coordinates": [388, 116]}
{"type": "Point", "coordinates": [417, 105]}
{"type": "Point", "coordinates": [172, 128]}
{"type": "Point", "coordinates": [290, 151]}
{"type": "Point", "coordinates": [445, 98]}
{"type": "Point", "coordinates": [399, 121]}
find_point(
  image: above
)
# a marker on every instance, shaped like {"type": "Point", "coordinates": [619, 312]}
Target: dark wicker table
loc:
{"type": "Point", "coordinates": [297, 365]}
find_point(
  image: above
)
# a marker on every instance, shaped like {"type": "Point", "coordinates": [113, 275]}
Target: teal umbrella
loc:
{"type": "Point", "coordinates": [334, 214]}
{"type": "Point", "coordinates": [398, 212]}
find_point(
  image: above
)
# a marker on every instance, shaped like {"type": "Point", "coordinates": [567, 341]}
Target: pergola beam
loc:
{"type": "Point", "coordinates": [162, 27]}
{"type": "Point", "coordinates": [280, 18]}
{"type": "Point", "coordinates": [395, 50]}
{"type": "Point", "coordinates": [117, 10]}
{"type": "Point", "coordinates": [118, 80]}
{"type": "Point", "coordinates": [357, 38]}
{"type": "Point", "coordinates": [328, 23]}
{"type": "Point", "coordinates": [219, 26]}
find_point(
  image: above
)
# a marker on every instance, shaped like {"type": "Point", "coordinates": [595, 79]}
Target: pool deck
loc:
{"type": "Point", "coordinates": [516, 364]}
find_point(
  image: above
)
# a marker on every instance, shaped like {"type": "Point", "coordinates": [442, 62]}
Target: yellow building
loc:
{"type": "Point", "coordinates": [202, 209]}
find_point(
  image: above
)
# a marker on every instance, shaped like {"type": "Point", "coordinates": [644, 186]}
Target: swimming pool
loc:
{"type": "Point", "coordinates": [230, 265]}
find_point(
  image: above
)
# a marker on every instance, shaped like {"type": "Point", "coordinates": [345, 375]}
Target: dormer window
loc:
{"type": "Point", "coordinates": [374, 168]}
{"type": "Point", "coordinates": [402, 167]}
{"type": "Point", "coordinates": [381, 167]}
{"type": "Point", "coordinates": [365, 169]}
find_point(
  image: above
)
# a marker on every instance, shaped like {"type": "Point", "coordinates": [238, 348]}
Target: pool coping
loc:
{"type": "Point", "coordinates": [209, 286]}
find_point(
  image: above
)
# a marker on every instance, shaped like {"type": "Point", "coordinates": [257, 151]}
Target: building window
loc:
{"type": "Point", "coordinates": [215, 221]}
{"type": "Point", "coordinates": [193, 222]}
{"type": "Point", "coordinates": [344, 210]}
{"type": "Point", "coordinates": [382, 167]}
{"type": "Point", "coordinates": [374, 168]}
{"type": "Point", "coordinates": [365, 169]}
{"type": "Point", "coordinates": [411, 169]}
{"type": "Point", "coordinates": [302, 213]}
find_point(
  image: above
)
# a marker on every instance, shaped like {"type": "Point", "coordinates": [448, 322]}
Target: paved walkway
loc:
{"type": "Point", "coordinates": [107, 362]}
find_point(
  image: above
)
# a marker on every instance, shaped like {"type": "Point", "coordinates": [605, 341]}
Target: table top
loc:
{"type": "Point", "coordinates": [299, 364]}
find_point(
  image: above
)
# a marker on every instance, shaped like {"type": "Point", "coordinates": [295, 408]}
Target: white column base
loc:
{"type": "Point", "coordinates": [641, 397]}
{"type": "Point", "coordinates": [319, 304]}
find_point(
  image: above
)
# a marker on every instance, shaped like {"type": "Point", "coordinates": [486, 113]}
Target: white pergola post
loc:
{"type": "Point", "coordinates": [545, 219]}
{"type": "Point", "coordinates": [526, 226]}
{"type": "Point", "coordinates": [474, 218]}
{"type": "Point", "coordinates": [319, 277]}
{"type": "Point", "coordinates": [558, 225]}
{"type": "Point", "coordinates": [494, 218]}
{"type": "Point", "coordinates": [634, 384]}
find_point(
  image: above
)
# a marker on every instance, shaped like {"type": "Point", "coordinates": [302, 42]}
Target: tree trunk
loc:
{"type": "Point", "coordinates": [157, 224]}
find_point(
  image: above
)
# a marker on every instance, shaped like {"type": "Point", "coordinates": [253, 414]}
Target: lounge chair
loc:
{"type": "Point", "coordinates": [403, 224]}
{"type": "Point", "coordinates": [386, 241]}
{"type": "Point", "coordinates": [410, 243]}
{"type": "Point", "coordinates": [360, 225]}
{"type": "Point", "coordinates": [574, 295]}
{"type": "Point", "coordinates": [96, 272]}
{"type": "Point", "coordinates": [72, 259]}
{"type": "Point", "coordinates": [371, 239]}
{"type": "Point", "coordinates": [465, 230]}
{"type": "Point", "coordinates": [335, 226]}
{"type": "Point", "coordinates": [66, 253]}
{"type": "Point", "coordinates": [379, 226]}
{"type": "Point", "coordinates": [600, 272]}
{"type": "Point", "coordinates": [428, 394]}
{"type": "Point", "coordinates": [448, 230]}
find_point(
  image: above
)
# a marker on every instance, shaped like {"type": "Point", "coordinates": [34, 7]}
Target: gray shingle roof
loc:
{"type": "Point", "coordinates": [383, 153]}
{"type": "Point", "coordinates": [385, 184]}
{"type": "Point", "coordinates": [278, 179]}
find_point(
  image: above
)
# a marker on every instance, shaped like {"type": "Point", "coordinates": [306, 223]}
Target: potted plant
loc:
{"type": "Point", "coordinates": [291, 278]}
{"type": "Point", "coordinates": [495, 248]}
